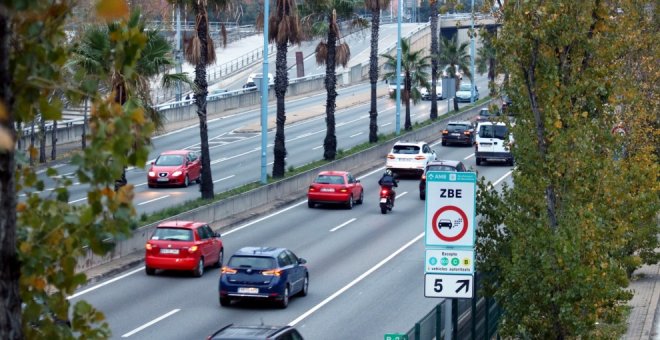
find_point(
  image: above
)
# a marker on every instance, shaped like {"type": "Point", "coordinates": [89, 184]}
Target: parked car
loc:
{"type": "Point", "coordinates": [506, 104]}
{"type": "Point", "coordinates": [426, 92]}
{"type": "Point", "coordinates": [409, 157]}
{"type": "Point", "coordinates": [441, 165]}
{"type": "Point", "coordinates": [183, 245]}
{"type": "Point", "coordinates": [259, 332]}
{"type": "Point", "coordinates": [175, 167]}
{"type": "Point", "coordinates": [263, 273]}
{"type": "Point", "coordinates": [335, 187]}
{"type": "Point", "coordinates": [461, 132]}
{"type": "Point", "coordinates": [464, 93]}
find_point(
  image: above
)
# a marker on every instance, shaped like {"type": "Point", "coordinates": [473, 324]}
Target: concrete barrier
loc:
{"type": "Point", "coordinates": [236, 209]}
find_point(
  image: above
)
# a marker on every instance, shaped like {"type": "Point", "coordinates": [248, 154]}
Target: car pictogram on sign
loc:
{"type": "Point", "coordinates": [445, 223]}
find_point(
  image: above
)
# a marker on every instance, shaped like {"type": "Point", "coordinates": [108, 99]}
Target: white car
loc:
{"type": "Point", "coordinates": [445, 72]}
{"type": "Point", "coordinates": [271, 79]}
{"type": "Point", "coordinates": [426, 94]}
{"type": "Point", "coordinates": [493, 143]}
{"type": "Point", "coordinates": [409, 157]}
{"type": "Point", "coordinates": [465, 92]}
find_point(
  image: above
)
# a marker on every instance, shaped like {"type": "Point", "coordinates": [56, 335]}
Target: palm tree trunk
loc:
{"type": "Point", "coordinates": [373, 74]}
{"type": "Point", "coordinates": [281, 84]}
{"type": "Point", "coordinates": [434, 60]}
{"type": "Point", "coordinates": [31, 142]}
{"type": "Point", "coordinates": [330, 141]}
{"type": "Point", "coordinates": [10, 301]}
{"type": "Point", "coordinates": [200, 100]}
{"type": "Point", "coordinates": [457, 83]}
{"type": "Point", "coordinates": [84, 126]}
{"type": "Point", "coordinates": [408, 89]}
{"type": "Point", "coordinates": [53, 141]}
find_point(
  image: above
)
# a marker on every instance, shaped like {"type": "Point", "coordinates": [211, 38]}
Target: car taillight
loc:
{"type": "Point", "coordinates": [343, 190]}
{"type": "Point", "coordinates": [311, 188]}
{"type": "Point", "coordinates": [272, 272]}
{"type": "Point", "coordinates": [148, 246]}
{"type": "Point", "coordinates": [466, 133]}
{"type": "Point", "coordinates": [192, 249]}
{"type": "Point", "coordinates": [227, 270]}
{"type": "Point", "coordinates": [390, 156]}
{"type": "Point", "coordinates": [423, 176]}
{"type": "Point", "coordinates": [444, 132]}
{"type": "Point", "coordinates": [419, 158]}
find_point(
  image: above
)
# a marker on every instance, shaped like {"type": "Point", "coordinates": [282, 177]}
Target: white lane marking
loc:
{"type": "Point", "coordinates": [401, 194]}
{"type": "Point", "coordinates": [343, 224]}
{"type": "Point", "coordinates": [222, 179]}
{"type": "Point", "coordinates": [502, 178]}
{"type": "Point", "coordinates": [150, 323]}
{"type": "Point", "coordinates": [263, 218]}
{"type": "Point", "coordinates": [187, 128]}
{"type": "Point", "coordinates": [53, 167]}
{"type": "Point", "coordinates": [104, 283]}
{"type": "Point", "coordinates": [304, 135]}
{"type": "Point", "coordinates": [271, 163]}
{"type": "Point", "coordinates": [356, 281]}
{"type": "Point", "coordinates": [468, 157]}
{"type": "Point", "coordinates": [386, 124]}
{"type": "Point", "coordinates": [232, 157]}
{"type": "Point", "coordinates": [318, 147]}
{"type": "Point", "coordinates": [78, 200]}
{"type": "Point", "coordinates": [141, 184]}
{"type": "Point", "coordinates": [357, 134]}
{"type": "Point", "coordinates": [154, 200]}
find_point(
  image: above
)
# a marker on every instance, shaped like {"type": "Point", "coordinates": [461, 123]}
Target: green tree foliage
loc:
{"type": "Point", "coordinates": [43, 234]}
{"type": "Point", "coordinates": [558, 245]}
{"type": "Point", "coordinates": [457, 57]}
{"type": "Point", "coordinates": [414, 67]}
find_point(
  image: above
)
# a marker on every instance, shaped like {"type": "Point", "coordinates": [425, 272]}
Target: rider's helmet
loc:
{"type": "Point", "coordinates": [388, 172]}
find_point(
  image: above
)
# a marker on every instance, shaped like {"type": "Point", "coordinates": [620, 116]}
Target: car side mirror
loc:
{"type": "Point", "coordinates": [217, 234]}
{"type": "Point", "coordinates": [152, 163]}
{"type": "Point", "coordinates": [301, 261]}
{"type": "Point", "coordinates": [357, 181]}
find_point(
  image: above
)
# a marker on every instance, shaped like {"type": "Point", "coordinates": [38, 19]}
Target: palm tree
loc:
{"type": "Point", "coordinates": [414, 67]}
{"type": "Point", "coordinates": [90, 61]}
{"type": "Point", "coordinates": [457, 57]}
{"type": "Point", "coordinates": [486, 55]}
{"type": "Point", "coordinates": [284, 28]}
{"type": "Point", "coordinates": [321, 18]}
{"type": "Point", "coordinates": [374, 6]}
{"type": "Point", "coordinates": [434, 61]}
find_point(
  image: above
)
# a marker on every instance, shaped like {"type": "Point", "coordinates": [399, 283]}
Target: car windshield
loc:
{"type": "Point", "coordinates": [254, 262]}
{"type": "Point", "coordinates": [406, 149]}
{"type": "Point", "coordinates": [457, 127]}
{"type": "Point", "coordinates": [169, 160]}
{"type": "Point", "coordinates": [329, 179]}
{"type": "Point", "coordinates": [440, 168]}
{"type": "Point", "coordinates": [493, 131]}
{"type": "Point", "coordinates": [465, 87]}
{"type": "Point", "coordinates": [484, 113]}
{"type": "Point", "coordinates": [172, 234]}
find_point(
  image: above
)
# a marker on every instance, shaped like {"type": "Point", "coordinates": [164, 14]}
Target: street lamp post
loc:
{"type": "Point", "coordinates": [398, 68]}
{"type": "Point", "coordinates": [472, 56]}
{"type": "Point", "coordinates": [264, 98]}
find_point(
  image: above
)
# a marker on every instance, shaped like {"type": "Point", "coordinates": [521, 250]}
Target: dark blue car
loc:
{"type": "Point", "coordinates": [263, 273]}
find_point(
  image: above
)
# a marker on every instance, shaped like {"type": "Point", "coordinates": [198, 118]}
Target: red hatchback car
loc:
{"type": "Point", "coordinates": [177, 167]}
{"type": "Point", "coordinates": [335, 187]}
{"type": "Point", "coordinates": [183, 245]}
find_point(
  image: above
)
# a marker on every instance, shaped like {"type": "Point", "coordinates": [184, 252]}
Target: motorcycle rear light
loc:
{"type": "Point", "coordinates": [384, 192]}
{"type": "Point", "coordinates": [272, 272]}
{"type": "Point", "coordinates": [227, 270]}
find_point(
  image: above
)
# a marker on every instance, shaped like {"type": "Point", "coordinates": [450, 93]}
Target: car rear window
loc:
{"type": "Point", "coordinates": [493, 131]}
{"type": "Point", "coordinates": [457, 127]}
{"type": "Point", "coordinates": [169, 160]}
{"type": "Point", "coordinates": [406, 149]}
{"type": "Point", "coordinates": [254, 262]}
{"type": "Point", "coordinates": [440, 168]}
{"type": "Point", "coordinates": [172, 234]}
{"type": "Point", "coordinates": [328, 179]}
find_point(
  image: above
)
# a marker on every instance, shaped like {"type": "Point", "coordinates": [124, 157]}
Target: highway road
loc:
{"type": "Point", "coordinates": [235, 157]}
{"type": "Point", "coordinates": [366, 271]}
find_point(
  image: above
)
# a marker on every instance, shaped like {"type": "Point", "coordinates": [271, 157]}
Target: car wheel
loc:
{"type": "Point", "coordinates": [186, 182]}
{"type": "Point", "coordinates": [305, 287]}
{"type": "Point", "coordinates": [478, 161]}
{"type": "Point", "coordinates": [199, 179]}
{"type": "Point", "coordinates": [225, 301]}
{"type": "Point", "coordinates": [349, 204]}
{"type": "Point", "coordinates": [285, 298]}
{"type": "Point", "coordinates": [150, 271]}
{"type": "Point", "coordinates": [310, 204]}
{"type": "Point", "coordinates": [444, 143]}
{"type": "Point", "coordinates": [199, 270]}
{"type": "Point", "coordinates": [361, 200]}
{"type": "Point", "coordinates": [221, 256]}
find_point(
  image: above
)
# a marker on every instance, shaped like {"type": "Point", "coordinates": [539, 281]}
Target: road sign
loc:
{"type": "Point", "coordinates": [448, 286]}
{"type": "Point", "coordinates": [450, 208]}
{"type": "Point", "coordinates": [396, 336]}
{"type": "Point", "coordinates": [449, 261]}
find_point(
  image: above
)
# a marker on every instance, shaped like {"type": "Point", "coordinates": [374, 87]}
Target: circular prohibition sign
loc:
{"type": "Point", "coordinates": [436, 229]}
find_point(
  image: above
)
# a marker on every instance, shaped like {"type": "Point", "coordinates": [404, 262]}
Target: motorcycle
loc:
{"type": "Point", "coordinates": [386, 202]}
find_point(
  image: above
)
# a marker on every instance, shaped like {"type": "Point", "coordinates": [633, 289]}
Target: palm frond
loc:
{"type": "Point", "coordinates": [283, 31]}
{"type": "Point", "coordinates": [193, 52]}
{"type": "Point", "coordinates": [210, 55]}
{"type": "Point", "coordinates": [223, 33]}
{"type": "Point", "coordinates": [343, 54]}
{"type": "Point", "coordinates": [321, 53]}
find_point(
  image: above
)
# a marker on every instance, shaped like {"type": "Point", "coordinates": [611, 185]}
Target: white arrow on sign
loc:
{"type": "Point", "coordinates": [449, 286]}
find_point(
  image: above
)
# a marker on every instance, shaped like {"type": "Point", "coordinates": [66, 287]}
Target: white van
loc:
{"type": "Point", "coordinates": [492, 143]}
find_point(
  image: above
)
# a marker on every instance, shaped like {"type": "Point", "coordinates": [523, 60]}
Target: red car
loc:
{"type": "Point", "coordinates": [183, 245]}
{"type": "Point", "coordinates": [335, 187]}
{"type": "Point", "coordinates": [177, 167]}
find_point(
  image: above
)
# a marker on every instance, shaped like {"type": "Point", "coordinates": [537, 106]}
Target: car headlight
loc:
{"type": "Point", "coordinates": [177, 173]}
{"type": "Point", "coordinates": [152, 174]}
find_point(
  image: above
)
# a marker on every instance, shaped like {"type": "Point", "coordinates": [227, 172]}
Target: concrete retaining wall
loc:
{"type": "Point", "coordinates": [238, 208]}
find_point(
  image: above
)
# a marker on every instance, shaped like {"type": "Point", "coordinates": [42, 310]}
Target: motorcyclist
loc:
{"type": "Point", "coordinates": [387, 181]}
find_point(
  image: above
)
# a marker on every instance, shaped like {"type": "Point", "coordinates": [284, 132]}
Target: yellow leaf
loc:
{"type": "Point", "coordinates": [20, 207]}
{"type": "Point", "coordinates": [558, 124]}
{"type": "Point", "coordinates": [3, 112]}
{"type": "Point", "coordinates": [38, 283]}
{"type": "Point", "coordinates": [6, 139]}
{"type": "Point", "coordinates": [25, 247]}
{"type": "Point", "coordinates": [112, 9]}
{"type": "Point", "coordinates": [138, 116]}
{"type": "Point", "coordinates": [585, 114]}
